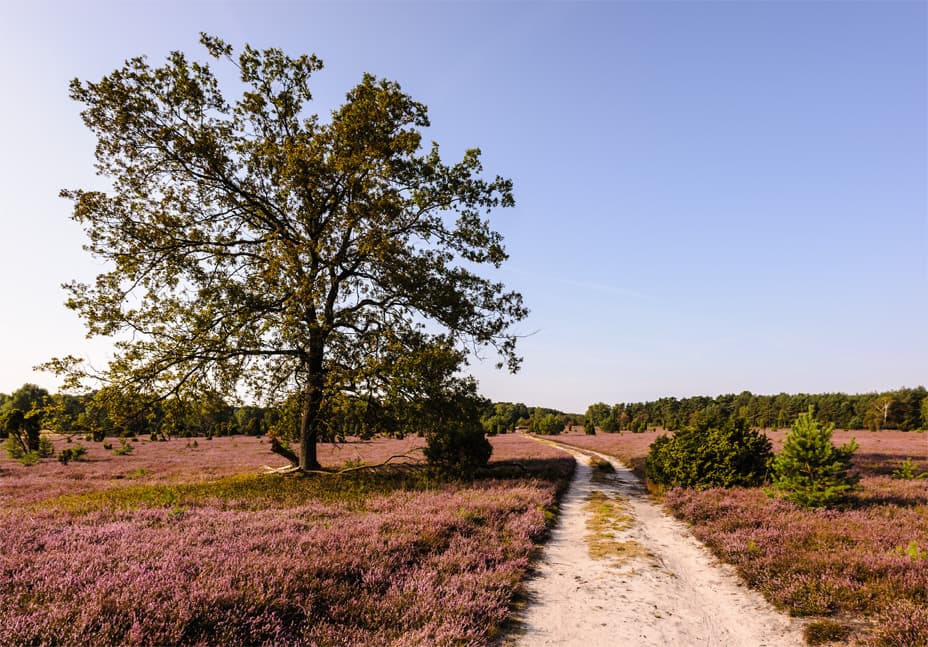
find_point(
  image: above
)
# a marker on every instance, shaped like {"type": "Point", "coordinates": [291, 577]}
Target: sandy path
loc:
{"type": "Point", "coordinates": [673, 592]}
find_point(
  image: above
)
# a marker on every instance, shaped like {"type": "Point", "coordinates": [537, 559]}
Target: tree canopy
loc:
{"type": "Point", "coordinates": [26, 398]}
{"type": "Point", "coordinates": [255, 248]}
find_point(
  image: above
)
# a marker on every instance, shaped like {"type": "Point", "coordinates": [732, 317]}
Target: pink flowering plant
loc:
{"type": "Point", "coordinates": [392, 556]}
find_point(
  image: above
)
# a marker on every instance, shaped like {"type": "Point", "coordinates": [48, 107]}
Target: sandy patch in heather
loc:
{"type": "Point", "coordinates": [675, 593]}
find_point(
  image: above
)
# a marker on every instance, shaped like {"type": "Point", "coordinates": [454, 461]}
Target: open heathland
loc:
{"type": "Point", "coordinates": [180, 544]}
{"type": "Point", "coordinates": [859, 574]}
{"type": "Point", "coordinates": [629, 448]}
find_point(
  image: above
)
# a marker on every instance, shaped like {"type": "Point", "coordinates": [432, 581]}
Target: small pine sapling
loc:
{"type": "Point", "coordinates": [810, 471]}
{"type": "Point", "coordinates": [46, 447]}
{"type": "Point", "coordinates": [124, 448]}
{"type": "Point", "coordinates": [907, 471]}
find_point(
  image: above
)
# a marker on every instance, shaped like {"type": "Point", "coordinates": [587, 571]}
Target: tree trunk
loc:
{"type": "Point", "coordinates": [312, 403]}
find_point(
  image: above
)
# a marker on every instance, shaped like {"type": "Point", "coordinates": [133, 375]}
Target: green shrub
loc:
{"type": "Point", "coordinates": [124, 448]}
{"type": "Point", "coordinates": [810, 471]}
{"type": "Point", "coordinates": [907, 471]}
{"type": "Point", "coordinates": [13, 447]}
{"type": "Point", "coordinates": [449, 418]}
{"type": "Point", "coordinates": [46, 447]}
{"type": "Point", "coordinates": [601, 466]}
{"type": "Point", "coordinates": [29, 458]}
{"type": "Point", "coordinates": [704, 457]}
{"type": "Point", "coordinates": [75, 453]}
{"type": "Point", "coordinates": [459, 450]}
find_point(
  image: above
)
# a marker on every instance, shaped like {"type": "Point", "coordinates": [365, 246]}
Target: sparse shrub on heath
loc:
{"type": "Point", "coordinates": [124, 448]}
{"type": "Point", "coordinates": [69, 454]}
{"type": "Point", "coordinates": [703, 456]}
{"type": "Point", "coordinates": [907, 471]}
{"type": "Point", "coordinates": [459, 450]}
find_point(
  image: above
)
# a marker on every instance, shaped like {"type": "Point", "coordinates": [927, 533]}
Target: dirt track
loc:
{"type": "Point", "coordinates": [659, 586]}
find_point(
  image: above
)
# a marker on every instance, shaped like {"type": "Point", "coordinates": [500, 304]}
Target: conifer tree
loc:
{"type": "Point", "coordinates": [810, 470]}
{"type": "Point", "coordinates": [588, 427]}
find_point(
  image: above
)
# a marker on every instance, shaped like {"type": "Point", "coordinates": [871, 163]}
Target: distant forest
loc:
{"type": "Point", "coordinates": [107, 413]}
{"type": "Point", "coordinates": [905, 409]}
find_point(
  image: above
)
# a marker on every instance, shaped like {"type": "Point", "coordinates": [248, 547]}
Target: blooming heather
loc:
{"type": "Point", "coordinates": [385, 558]}
{"type": "Point", "coordinates": [631, 449]}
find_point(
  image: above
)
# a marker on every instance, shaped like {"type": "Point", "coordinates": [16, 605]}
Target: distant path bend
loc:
{"type": "Point", "coordinates": [658, 586]}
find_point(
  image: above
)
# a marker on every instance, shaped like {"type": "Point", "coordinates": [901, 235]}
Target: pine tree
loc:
{"type": "Point", "coordinates": [810, 471]}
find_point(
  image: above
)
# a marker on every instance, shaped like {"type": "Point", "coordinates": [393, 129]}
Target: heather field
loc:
{"type": "Point", "coordinates": [173, 461]}
{"type": "Point", "coordinates": [860, 575]}
{"type": "Point", "coordinates": [629, 448]}
{"type": "Point", "coordinates": [182, 544]}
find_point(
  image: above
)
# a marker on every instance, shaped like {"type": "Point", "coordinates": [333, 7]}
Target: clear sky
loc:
{"type": "Point", "coordinates": [711, 197]}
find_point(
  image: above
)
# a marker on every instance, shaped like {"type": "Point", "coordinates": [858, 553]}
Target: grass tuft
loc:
{"type": "Point", "coordinates": [821, 632]}
{"type": "Point", "coordinates": [607, 517]}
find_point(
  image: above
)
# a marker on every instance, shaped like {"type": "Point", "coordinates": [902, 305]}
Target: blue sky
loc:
{"type": "Point", "coordinates": [711, 197]}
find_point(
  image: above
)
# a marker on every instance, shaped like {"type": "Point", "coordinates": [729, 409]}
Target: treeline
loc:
{"type": "Point", "coordinates": [449, 420]}
{"type": "Point", "coordinates": [108, 413]}
{"type": "Point", "coordinates": [506, 417]}
{"type": "Point", "coordinates": [904, 409]}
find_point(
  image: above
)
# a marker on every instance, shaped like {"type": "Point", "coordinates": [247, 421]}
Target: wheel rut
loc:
{"type": "Point", "coordinates": [618, 570]}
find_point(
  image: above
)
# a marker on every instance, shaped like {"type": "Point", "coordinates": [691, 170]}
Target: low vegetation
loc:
{"type": "Point", "coordinates": [395, 555]}
{"type": "Point", "coordinates": [608, 517]}
{"type": "Point", "coordinates": [702, 456]}
{"type": "Point", "coordinates": [631, 449]}
{"type": "Point", "coordinates": [600, 467]}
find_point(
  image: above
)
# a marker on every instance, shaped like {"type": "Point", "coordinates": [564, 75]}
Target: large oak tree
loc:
{"type": "Point", "coordinates": [255, 248]}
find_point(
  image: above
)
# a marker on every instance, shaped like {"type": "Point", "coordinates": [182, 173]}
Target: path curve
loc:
{"type": "Point", "coordinates": [676, 593]}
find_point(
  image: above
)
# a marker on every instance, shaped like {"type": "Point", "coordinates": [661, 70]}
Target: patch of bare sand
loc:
{"type": "Point", "coordinates": [651, 583]}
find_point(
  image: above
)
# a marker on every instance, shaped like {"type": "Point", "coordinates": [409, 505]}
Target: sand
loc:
{"type": "Point", "coordinates": [664, 589]}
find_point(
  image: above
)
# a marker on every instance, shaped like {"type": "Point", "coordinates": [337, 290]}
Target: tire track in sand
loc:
{"type": "Point", "coordinates": [673, 593]}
